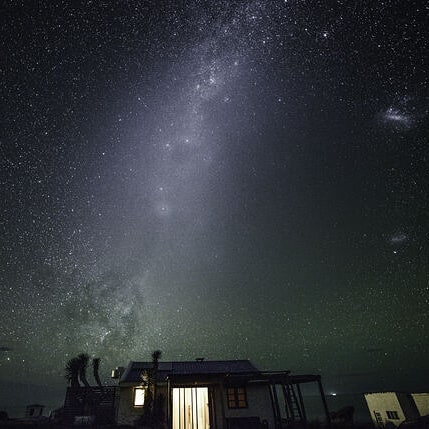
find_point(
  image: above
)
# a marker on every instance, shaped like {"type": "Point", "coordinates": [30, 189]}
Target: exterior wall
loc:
{"type": "Point", "coordinates": [422, 403]}
{"type": "Point", "coordinates": [258, 401]}
{"type": "Point", "coordinates": [219, 405]}
{"type": "Point", "coordinates": [383, 402]}
{"type": "Point", "coordinates": [127, 412]}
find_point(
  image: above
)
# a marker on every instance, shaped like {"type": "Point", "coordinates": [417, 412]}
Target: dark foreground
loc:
{"type": "Point", "coordinates": [39, 425]}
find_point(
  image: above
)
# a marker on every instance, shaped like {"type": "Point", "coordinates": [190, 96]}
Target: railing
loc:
{"type": "Point", "coordinates": [93, 403]}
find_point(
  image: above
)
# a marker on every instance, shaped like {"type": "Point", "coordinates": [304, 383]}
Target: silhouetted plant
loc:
{"type": "Point", "coordinates": [156, 355]}
{"type": "Point", "coordinates": [72, 372]}
{"type": "Point", "coordinates": [151, 416]}
{"type": "Point", "coordinates": [83, 366]}
{"type": "Point", "coordinates": [95, 369]}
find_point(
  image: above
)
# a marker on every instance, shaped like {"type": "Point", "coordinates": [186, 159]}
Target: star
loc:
{"type": "Point", "coordinates": [216, 157]}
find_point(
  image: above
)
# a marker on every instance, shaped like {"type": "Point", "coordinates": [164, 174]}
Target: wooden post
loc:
{"type": "Point", "coordinates": [325, 405]}
{"type": "Point", "coordinates": [169, 404]}
{"type": "Point", "coordinates": [276, 405]}
{"type": "Point", "coordinates": [222, 402]}
{"type": "Point", "coordinates": [287, 406]}
{"type": "Point", "coordinates": [301, 403]}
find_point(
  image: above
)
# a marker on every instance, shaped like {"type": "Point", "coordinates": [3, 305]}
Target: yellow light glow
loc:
{"type": "Point", "coordinates": [191, 408]}
{"type": "Point", "coordinates": [139, 396]}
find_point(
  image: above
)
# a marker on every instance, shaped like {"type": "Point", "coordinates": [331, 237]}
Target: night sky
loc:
{"type": "Point", "coordinates": [222, 179]}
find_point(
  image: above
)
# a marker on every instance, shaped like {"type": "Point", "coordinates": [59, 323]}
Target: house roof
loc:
{"type": "Point", "coordinates": [182, 368]}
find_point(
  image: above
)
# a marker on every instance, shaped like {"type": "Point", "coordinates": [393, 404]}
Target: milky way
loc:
{"type": "Point", "coordinates": [229, 179]}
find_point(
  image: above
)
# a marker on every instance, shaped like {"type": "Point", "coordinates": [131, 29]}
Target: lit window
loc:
{"type": "Point", "coordinates": [392, 415]}
{"type": "Point", "coordinates": [236, 397]}
{"type": "Point", "coordinates": [139, 396]}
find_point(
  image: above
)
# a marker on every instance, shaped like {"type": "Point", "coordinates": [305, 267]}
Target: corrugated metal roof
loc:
{"type": "Point", "coordinates": [165, 369]}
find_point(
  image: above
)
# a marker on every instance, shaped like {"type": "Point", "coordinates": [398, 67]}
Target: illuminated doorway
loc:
{"type": "Point", "coordinates": [191, 408]}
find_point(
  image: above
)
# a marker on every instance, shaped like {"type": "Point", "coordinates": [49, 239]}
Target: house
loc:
{"type": "Point", "coordinates": [220, 394]}
{"type": "Point", "coordinates": [390, 409]}
{"type": "Point", "coordinates": [422, 403]}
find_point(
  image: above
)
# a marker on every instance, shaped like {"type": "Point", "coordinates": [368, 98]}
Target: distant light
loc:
{"type": "Point", "coordinates": [333, 394]}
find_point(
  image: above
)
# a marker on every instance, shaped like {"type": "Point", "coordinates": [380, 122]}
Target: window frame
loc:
{"type": "Point", "coordinates": [135, 390]}
{"type": "Point", "coordinates": [236, 397]}
{"type": "Point", "coordinates": [392, 415]}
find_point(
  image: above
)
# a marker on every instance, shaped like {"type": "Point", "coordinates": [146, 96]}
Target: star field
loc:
{"type": "Point", "coordinates": [229, 179]}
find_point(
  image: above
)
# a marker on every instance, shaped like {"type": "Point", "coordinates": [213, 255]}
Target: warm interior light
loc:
{"type": "Point", "coordinates": [139, 396]}
{"type": "Point", "coordinates": [191, 408]}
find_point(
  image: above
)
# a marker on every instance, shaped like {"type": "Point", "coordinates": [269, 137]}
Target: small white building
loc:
{"type": "Point", "coordinates": [389, 409]}
{"type": "Point", "coordinates": [214, 394]}
{"type": "Point", "coordinates": [422, 403]}
{"type": "Point", "coordinates": [34, 411]}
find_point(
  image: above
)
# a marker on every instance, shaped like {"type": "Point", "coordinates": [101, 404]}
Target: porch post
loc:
{"type": "Point", "coordinates": [169, 404]}
{"type": "Point", "coordinates": [275, 402]}
{"type": "Point", "coordinates": [212, 406]}
{"type": "Point", "coordinates": [285, 396]}
{"type": "Point", "coordinates": [325, 405]}
{"type": "Point", "coordinates": [222, 402]}
{"type": "Point", "coordinates": [301, 402]}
